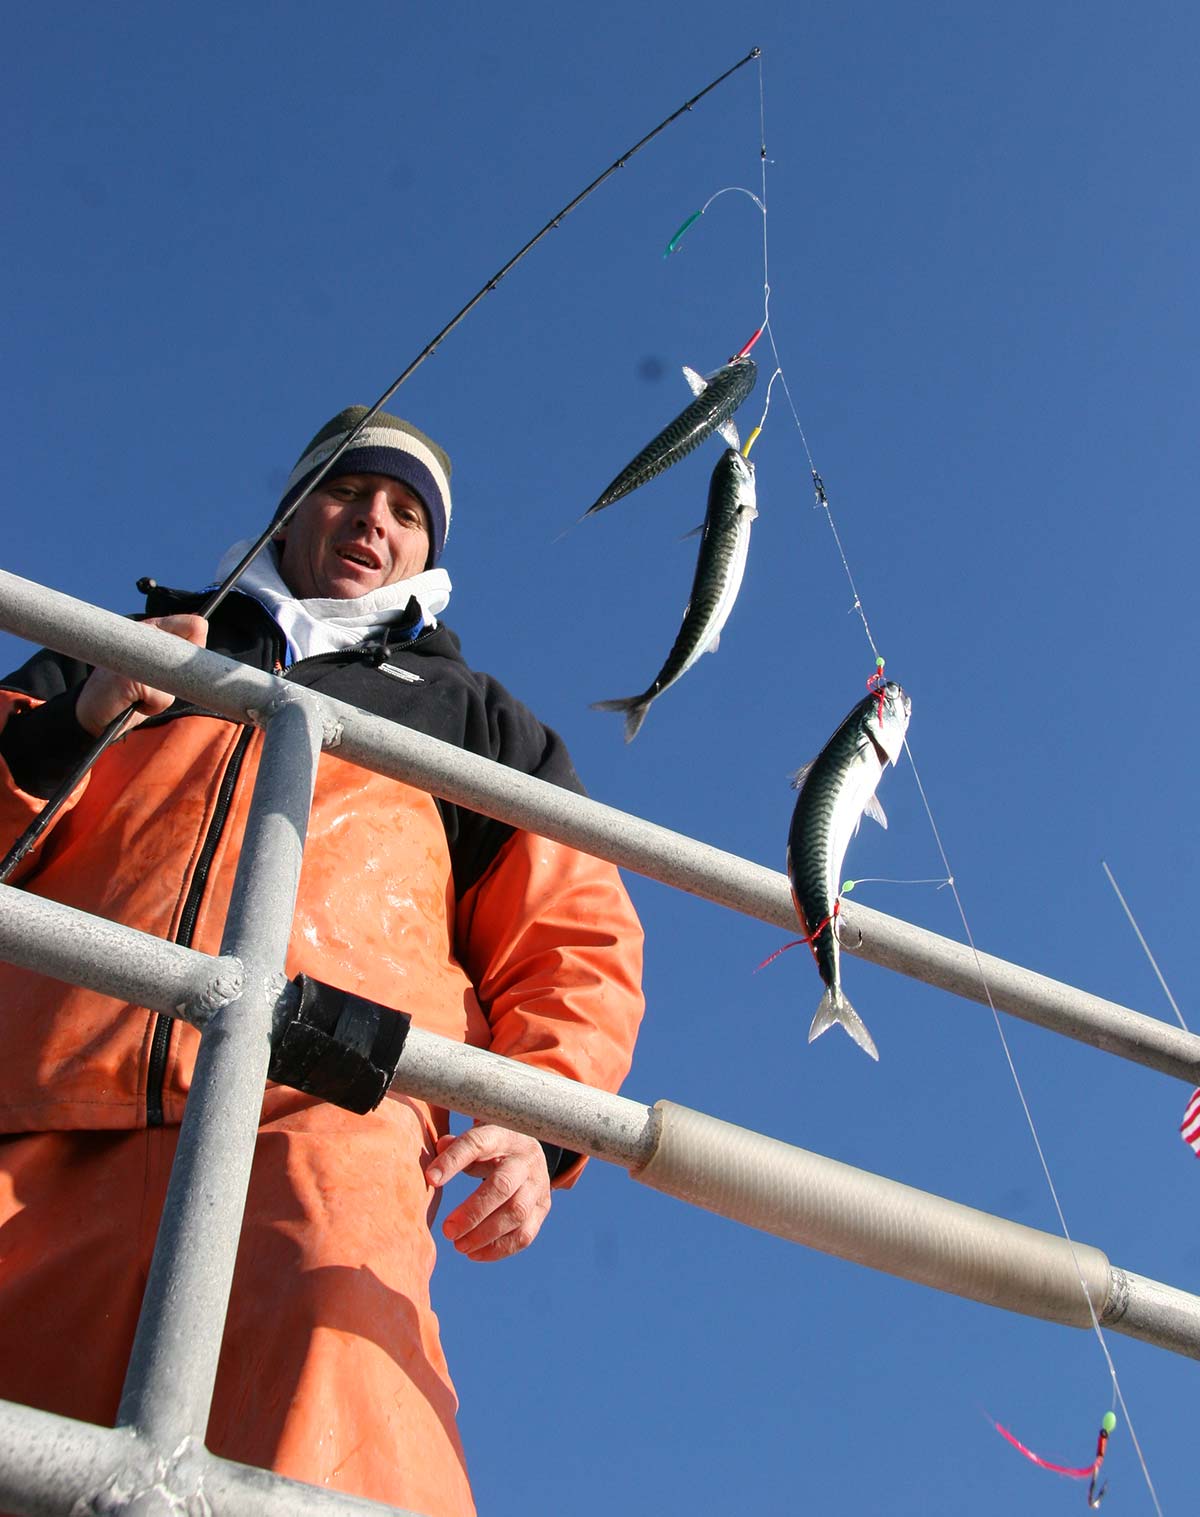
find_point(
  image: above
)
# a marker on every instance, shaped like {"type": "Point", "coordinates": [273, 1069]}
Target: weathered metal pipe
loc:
{"type": "Point", "coordinates": [173, 1367]}
{"type": "Point", "coordinates": [86, 632]}
{"type": "Point", "coordinates": [82, 949]}
{"type": "Point", "coordinates": [56, 1467]}
{"type": "Point", "coordinates": [808, 1198]}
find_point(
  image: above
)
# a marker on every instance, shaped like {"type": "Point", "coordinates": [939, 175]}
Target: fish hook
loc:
{"type": "Point", "coordinates": [1094, 1496]}
{"type": "Point", "coordinates": [810, 940]}
{"type": "Point", "coordinates": [831, 919]}
{"type": "Point", "coordinates": [1089, 1472]}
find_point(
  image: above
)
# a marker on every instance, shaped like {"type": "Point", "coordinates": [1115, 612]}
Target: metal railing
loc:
{"type": "Point", "coordinates": [155, 1460]}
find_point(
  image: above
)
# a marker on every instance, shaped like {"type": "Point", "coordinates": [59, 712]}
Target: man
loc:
{"type": "Point", "coordinates": [332, 1371]}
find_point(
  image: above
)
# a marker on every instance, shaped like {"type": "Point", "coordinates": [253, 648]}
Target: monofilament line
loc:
{"type": "Point", "coordinates": [823, 501]}
{"type": "Point", "coordinates": [818, 486]}
{"type": "Point", "coordinates": [1145, 946]}
{"type": "Point", "coordinates": [1118, 1395]}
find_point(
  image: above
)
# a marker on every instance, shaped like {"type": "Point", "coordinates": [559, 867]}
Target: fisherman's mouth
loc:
{"type": "Point", "coordinates": [358, 558]}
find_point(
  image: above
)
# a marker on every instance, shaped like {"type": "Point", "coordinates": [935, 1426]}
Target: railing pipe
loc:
{"type": "Point", "coordinates": [242, 694]}
{"type": "Point", "coordinates": [808, 1198]}
{"type": "Point", "coordinates": [82, 949]}
{"type": "Point", "coordinates": [1154, 1312]}
{"type": "Point", "coordinates": [731, 1179]}
{"type": "Point", "coordinates": [853, 1214]}
{"type": "Point", "coordinates": [547, 1106]}
{"type": "Point", "coordinates": [56, 1467]}
{"type": "Point", "coordinates": [51, 1464]}
{"type": "Point", "coordinates": [172, 1370]}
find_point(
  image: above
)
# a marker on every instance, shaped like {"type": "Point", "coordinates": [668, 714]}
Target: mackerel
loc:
{"type": "Point", "coordinates": [720, 566]}
{"type": "Point", "coordinates": [716, 399]}
{"type": "Point", "coordinates": [836, 789]}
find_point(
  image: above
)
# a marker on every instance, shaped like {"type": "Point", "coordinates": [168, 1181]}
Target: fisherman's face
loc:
{"type": "Point", "coordinates": [354, 534]}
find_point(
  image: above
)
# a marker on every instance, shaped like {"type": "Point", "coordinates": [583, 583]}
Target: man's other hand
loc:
{"type": "Point", "coordinates": [504, 1214]}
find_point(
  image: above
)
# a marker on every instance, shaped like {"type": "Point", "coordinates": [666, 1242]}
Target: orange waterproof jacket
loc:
{"type": "Point", "coordinates": [495, 937]}
{"type": "Point", "coordinates": [483, 934]}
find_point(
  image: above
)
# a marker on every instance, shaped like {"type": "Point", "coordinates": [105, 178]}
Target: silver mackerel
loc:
{"type": "Point", "coordinates": [720, 566]}
{"type": "Point", "coordinates": [715, 402]}
{"type": "Point", "coordinates": [836, 789]}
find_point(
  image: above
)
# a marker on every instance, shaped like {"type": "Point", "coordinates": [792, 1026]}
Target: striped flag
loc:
{"type": "Point", "coordinates": [1190, 1126]}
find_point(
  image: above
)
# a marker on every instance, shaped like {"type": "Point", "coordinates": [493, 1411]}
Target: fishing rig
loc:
{"type": "Point", "coordinates": [47, 1462]}
{"type": "Point", "coordinates": [822, 926]}
{"type": "Point", "coordinates": [155, 1453]}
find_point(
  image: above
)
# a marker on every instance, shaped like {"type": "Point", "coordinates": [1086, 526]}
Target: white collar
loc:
{"type": "Point", "coordinates": [327, 626]}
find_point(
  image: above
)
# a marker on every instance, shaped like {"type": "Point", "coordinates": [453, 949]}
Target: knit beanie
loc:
{"type": "Point", "coordinates": [387, 446]}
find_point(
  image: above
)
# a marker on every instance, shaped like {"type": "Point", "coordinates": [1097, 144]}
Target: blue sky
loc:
{"type": "Point", "coordinates": [225, 223]}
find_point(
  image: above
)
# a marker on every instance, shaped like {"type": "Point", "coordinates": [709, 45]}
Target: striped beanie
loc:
{"type": "Point", "coordinates": [387, 446]}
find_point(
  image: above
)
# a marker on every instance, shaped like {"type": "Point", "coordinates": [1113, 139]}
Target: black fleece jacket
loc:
{"type": "Point", "coordinates": [414, 675]}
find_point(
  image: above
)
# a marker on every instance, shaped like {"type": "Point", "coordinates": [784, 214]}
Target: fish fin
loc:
{"type": "Point", "coordinates": [835, 1007]}
{"type": "Point", "coordinates": [713, 644]}
{"type": "Point", "coordinates": [635, 709]}
{"type": "Point", "coordinates": [695, 532]}
{"type": "Point", "coordinates": [875, 811]}
{"type": "Point", "coordinates": [634, 718]}
{"type": "Point", "coordinates": [729, 432]}
{"type": "Point", "coordinates": [696, 382]}
{"type": "Point", "coordinates": [801, 774]}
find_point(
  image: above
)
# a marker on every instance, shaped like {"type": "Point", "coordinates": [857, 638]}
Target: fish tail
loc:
{"type": "Point", "coordinates": [635, 709]}
{"type": "Point", "coordinates": [835, 1007]}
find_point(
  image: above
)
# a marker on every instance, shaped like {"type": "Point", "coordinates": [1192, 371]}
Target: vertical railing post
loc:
{"type": "Point", "coordinates": [172, 1371]}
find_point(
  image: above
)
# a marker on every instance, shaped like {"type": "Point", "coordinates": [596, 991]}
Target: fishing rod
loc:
{"type": "Point", "coordinates": [115, 729]}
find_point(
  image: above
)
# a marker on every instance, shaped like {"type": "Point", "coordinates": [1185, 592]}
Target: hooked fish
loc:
{"type": "Point", "coordinates": [719, 568]}
{"type": "Point", "coordinates": [836, 790]}
{"type": "Point", "coordinates": [716, 399]}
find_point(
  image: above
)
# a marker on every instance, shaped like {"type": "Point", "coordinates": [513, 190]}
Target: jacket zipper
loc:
{"type": "Point", "coordinates": [160, 1039]}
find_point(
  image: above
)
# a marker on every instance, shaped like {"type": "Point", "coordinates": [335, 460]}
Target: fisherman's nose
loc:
{"type": "Point", "coordinates": [376, 509]}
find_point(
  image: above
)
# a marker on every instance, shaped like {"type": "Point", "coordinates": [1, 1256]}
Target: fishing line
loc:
{"type": "Point", "coordinates": [822, 501]}
{"type": "Point", "coordinates": [761, 203]}
{"type": "Point", "coordinates": [118, 725]}
{"type": "Point", "coordinates": [730, 189]}
{"type": "Point", "coordinates": [1118, 1395]}
{"type": "Point", "coordinates": [1189, 1127]}
{"type": "Point", "coordinates": [762, 420]}
{"type": "Point", "coordinates": [1145, 946]}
